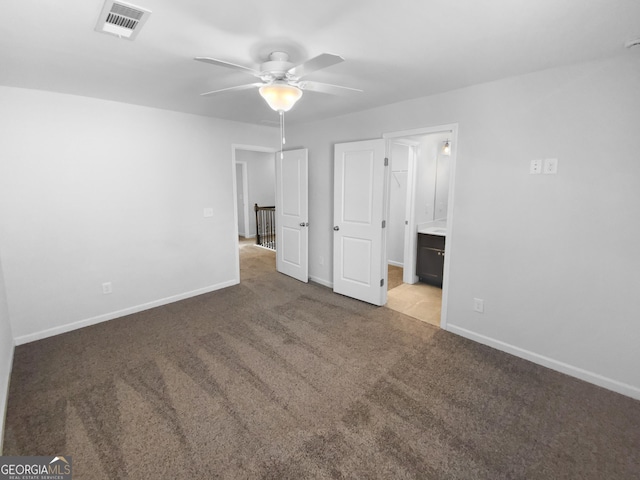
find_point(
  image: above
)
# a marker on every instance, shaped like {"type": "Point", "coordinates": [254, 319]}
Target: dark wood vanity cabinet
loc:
{"type": "Point", "coordinates": [430, 263]}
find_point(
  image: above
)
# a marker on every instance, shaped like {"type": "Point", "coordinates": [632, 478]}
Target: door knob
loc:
{"type": "Point", "coordinates": [336, 228]}
{"type": "Point", "coordinates": [302, 224]}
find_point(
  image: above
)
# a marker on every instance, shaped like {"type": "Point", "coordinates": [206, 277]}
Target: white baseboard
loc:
{"type": "Point", "coordinates": [321, 281]}
{"type": "Point", "coordinates": [587, 376]}
{"type": "Point", "coordinates": [395, 264]}
{"type": "Point", "coordinates": [5, 397]}
{"type": "Point", "coordinates": [50, 332]}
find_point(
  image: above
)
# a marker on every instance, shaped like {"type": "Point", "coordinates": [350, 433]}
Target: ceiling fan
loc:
{"type": "Point", "coordinates": [281, 82]}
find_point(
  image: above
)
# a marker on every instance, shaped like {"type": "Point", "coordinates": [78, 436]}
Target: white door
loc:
{"type": "Point", "coordinates": [292, 210]}
{"type": "Point", "coordinates": [359, 269]}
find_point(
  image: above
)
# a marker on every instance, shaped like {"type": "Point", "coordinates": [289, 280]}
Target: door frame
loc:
{"type": "Point", "coordinates": [234, 148]}
{"type": "Point", "coordinates": [245, 196]}
{"type": "Point", "coordinates": [411, 192]}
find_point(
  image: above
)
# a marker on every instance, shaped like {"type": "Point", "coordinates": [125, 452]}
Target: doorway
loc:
{"type": "Point", "coordinates": [278, 183]}
{"type": "Point", "coordinates": [419, 200]}
{"type": "Point", "coordinates": [258, 169]}
{"type": "Point", "coordinates": [243, 157]}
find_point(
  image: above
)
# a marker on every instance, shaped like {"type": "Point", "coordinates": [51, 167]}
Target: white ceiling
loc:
{"type": "Point", "coordinates": [394, 49]}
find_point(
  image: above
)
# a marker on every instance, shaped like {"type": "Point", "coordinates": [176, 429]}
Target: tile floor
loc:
{"type": "Point", "coordinates": [420, 301]}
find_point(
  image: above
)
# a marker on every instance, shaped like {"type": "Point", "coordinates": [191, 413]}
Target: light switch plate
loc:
{"type": "Point", "coordinates": [478, 305]}
{"type": "Point", "coordinates": [535, 167]}
{"type": "Point", "coordinates": [208, 212]}
{"type": "Point", "coordinates": [550, 166]}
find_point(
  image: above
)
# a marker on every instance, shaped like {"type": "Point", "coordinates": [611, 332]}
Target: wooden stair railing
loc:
{"type": "Point", "coordinates": [265, 226]}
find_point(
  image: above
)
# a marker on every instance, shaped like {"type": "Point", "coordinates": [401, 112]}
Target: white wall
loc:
{"type": "Point", "coordinates": [6, 354]}
{"type": "Point", "coordinates": [261, 175]}
{"type": "Point", "coordinates": [554, 257]}
{"type": "Point", "coordinates": [94, 191]}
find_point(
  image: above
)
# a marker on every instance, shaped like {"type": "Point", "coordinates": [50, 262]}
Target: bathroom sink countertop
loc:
{"type": "Point", "coordinates": [442, 231]}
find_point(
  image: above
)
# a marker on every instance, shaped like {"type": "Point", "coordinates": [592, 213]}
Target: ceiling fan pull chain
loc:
{"type": "Point", "coordinates": [282, 141]}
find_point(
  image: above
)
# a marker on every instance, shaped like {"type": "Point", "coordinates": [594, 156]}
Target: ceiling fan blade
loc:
{"type": "Point", "coordinates": [233, 89]}
{"type": "Point", "coordinates": [323, 60]}
{"type": "Point", "coordinates": [328, 88]}
{"type": "Point", "coordinates": [222, 63]}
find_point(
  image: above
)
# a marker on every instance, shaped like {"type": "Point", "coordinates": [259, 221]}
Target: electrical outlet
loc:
{"type": "Point", "coordinates": [535, 167]}
{"type": "Point", "coordinates": [107, 288]}
{"type": "Point", "coordinates": [321, 260]}
{"type": "Point", "coordinates": [478, 305]}
{"type": "Point", "coordinates": [550, 166]}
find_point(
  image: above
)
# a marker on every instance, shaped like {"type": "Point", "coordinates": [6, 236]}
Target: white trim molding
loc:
{"type": "Point", "coordinates": [5, 388]}
{"type": "Point", "coordinates": [321, 281]}
{"type": "Point", "coordinates": [50, 332]}
{"type": "Point", "coordinates": [580, 373]}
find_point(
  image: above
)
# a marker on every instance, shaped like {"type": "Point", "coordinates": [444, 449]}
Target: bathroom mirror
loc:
{"type": "Point", "coordinates": [432, 178]}
{"type": "Point", "coordinates": [441, 193]}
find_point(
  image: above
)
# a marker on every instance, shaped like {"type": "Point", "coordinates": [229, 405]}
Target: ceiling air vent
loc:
{"type": "Point", "coordinates": [122, 19]}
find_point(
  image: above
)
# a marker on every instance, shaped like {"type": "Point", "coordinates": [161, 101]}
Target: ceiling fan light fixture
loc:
{"type": "Point", "coordinates": [281, 97]}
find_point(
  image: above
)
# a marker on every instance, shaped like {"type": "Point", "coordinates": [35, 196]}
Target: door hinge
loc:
{"type": "Point", "coordinates": [384, 223]}
{"type": "Point", "coordinates": [382, 282]}
{"type": "Point", "coordinates": [386, 162]}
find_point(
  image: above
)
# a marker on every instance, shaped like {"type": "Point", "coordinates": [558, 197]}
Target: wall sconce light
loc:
{"type": "Point", "coordinates": [446, 147]}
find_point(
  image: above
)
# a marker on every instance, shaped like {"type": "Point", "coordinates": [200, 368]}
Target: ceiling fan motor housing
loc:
{"type": "Point", "coordinates": [277, 66]}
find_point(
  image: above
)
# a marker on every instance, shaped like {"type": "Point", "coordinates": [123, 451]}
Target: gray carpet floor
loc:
{"type": "Point", "coordinates": [275, 379]}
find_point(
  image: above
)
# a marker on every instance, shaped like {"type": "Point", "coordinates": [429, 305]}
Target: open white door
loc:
{"type": "Point", "coordinates": [292, 209]}
{"type": "Point", "coordinates": [359, 269]}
